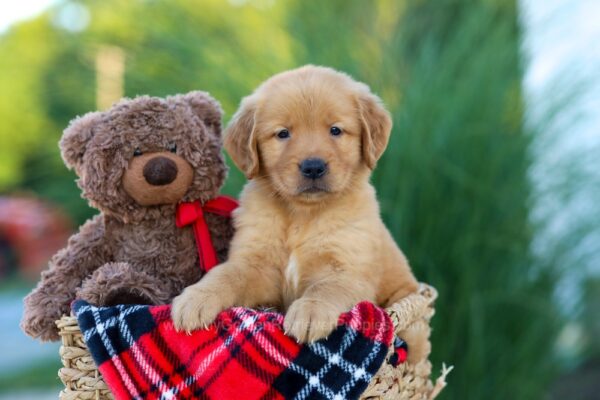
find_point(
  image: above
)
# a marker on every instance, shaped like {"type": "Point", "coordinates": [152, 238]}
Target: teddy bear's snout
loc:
{"type": "Point", "coordinates": [160, 171]}
{"type": "Point", "coordinates": [157, 178]}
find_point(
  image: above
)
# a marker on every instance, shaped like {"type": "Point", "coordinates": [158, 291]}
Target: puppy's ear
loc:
{"type": "Point", "coordinates": [240, 138]}
{"type": "Point", "coordinates": [206, 108]}
{"type": "Point", "coordinates": [76, 137]}
{"type": "Point", "coordinates": [376, 126]}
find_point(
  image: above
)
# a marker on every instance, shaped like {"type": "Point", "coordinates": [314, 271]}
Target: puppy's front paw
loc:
{"type": "Point", "coordinates": [195, 308]}
{"type": "Point", "coordinates": [310, 320]}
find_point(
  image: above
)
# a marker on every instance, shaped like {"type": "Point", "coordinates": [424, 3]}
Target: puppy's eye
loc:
{"type": "Point", "coordinates": [335, 131]}
{"type": "Point", "coordinates": [283, 134]}
{"type": "Point", "coordinates": [173, 148]}
{"type": "Point", "coordinates": [137, 152]}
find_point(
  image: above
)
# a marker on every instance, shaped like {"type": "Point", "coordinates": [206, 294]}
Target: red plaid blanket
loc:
{"type": "Point", "coordinates": [243, 355]}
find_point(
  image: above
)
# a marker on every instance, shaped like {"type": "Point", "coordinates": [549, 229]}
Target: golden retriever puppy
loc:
{"type": "Point", "coordinates": [309, 238]}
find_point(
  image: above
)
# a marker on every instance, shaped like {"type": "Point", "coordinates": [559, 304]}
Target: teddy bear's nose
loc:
{"type": "Point", "coordinates": [160, 171]}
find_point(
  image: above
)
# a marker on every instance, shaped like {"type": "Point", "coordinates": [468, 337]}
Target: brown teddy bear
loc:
{"type": "Point", "coordinates": [135, 163]}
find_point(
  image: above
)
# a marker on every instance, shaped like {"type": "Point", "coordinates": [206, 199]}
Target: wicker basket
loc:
{"type": "Point", "coordinates": [405, 382]}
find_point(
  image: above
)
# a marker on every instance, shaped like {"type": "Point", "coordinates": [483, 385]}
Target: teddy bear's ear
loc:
{"type": "Point", "coordinates": [76, 137]}
{"type": "Point", "coordinates": [206, 108]}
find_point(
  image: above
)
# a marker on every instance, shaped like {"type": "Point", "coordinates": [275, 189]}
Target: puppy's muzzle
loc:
{"type": "Point", "coordinates": [160, 171]}
{"type": "Point", "coordinates": [313, 168]}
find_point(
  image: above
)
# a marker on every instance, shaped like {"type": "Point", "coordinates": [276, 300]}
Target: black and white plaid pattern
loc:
{"type": "Point", "coordinates": [337, 369]}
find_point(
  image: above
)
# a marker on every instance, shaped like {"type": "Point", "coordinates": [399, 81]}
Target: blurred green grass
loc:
{"type": "Point", "coordinates": [454, 185]}
{"type": "Point", "coordinates": [38, 376]}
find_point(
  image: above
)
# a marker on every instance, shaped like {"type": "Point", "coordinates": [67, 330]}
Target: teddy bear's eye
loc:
{"type": "Point", "coordinates": [137, 152]}
{"type": "Point", "coordinates": [173, 148]}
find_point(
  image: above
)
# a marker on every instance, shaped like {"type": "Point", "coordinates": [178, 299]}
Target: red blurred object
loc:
{"type": "Point", "coordinates": [31, 231]}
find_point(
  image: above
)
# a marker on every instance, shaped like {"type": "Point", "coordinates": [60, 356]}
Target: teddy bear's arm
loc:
{"type": "Point", "coordinates": [86, 251]}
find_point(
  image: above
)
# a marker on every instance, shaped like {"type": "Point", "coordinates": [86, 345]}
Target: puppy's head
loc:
{"type": "Point", "coordinates": [310, 132]}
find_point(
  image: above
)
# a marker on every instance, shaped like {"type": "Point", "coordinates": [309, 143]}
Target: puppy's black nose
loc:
{"type": "Point", "coordinates": [313, 168]}
{"type": "Point", "coordinates": [160, 171]}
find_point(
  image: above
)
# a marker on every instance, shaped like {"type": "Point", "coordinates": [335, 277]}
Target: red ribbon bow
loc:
{"type": "Point", "coordinates": [193, 213]}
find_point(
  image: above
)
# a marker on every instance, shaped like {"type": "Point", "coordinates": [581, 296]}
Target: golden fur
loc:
{"type": "Point", "coordinates": [313, 248]}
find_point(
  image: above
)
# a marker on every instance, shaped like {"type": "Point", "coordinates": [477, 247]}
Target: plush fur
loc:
{"type": "Point", "coordinates": [312, 247]}
{"type": "Point", "coordinates": [132, 252]}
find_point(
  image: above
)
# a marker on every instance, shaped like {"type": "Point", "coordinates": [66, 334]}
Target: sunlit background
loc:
{"type": "Point", "coordinates": [490, 183]}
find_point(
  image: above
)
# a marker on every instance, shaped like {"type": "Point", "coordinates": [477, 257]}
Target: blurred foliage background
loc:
{"type": "Point", "coordinates": [455, 183]}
